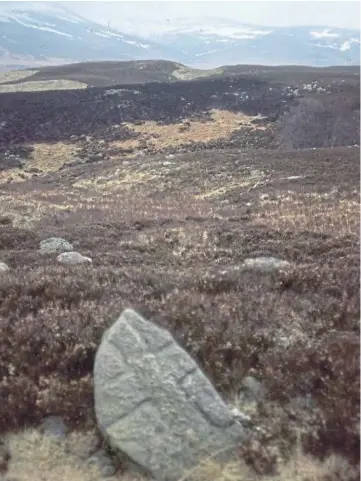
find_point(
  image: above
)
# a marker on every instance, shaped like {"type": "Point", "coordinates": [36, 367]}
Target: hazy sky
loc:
{"type": "Point", "coordinates": [344, 14]}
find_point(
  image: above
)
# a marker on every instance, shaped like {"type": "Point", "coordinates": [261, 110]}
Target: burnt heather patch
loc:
{"type": "Point", "coordinates": [57, 115]}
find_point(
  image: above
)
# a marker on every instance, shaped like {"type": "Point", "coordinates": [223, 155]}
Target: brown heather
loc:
{"type": "Point", "coordinates": [165, 241]}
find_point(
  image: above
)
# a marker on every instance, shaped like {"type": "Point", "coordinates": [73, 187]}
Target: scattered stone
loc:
{"type": "Point", "coordinates": [154, 405]}
{"type": "Point", "coordinates": [4, 267]}
{"type": "Point", "coordinates": [54, 426]}
{"type": "Point", "coordinates": [73, 258]}
{"type": "Point", "coordinates": [55, 245]}
{"type": "Point", "coordinates": [265, 263]}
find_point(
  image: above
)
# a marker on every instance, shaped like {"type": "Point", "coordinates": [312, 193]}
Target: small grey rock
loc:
{"type": "Point", "coordinates": [55, 245]}
{"type": "Point", "coordinates": [4, 267]}
{"type": "Point", "coordinates": [54, 426]}
{"type": "Point", "coordinates": [73, 258]}
{"type": "Point", "coordinates": [265, 263]}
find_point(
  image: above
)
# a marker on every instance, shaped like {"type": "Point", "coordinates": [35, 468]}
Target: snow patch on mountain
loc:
{"type": "Point", "coordinates": [141, 45]}
{"type": "Point", "coordinates": [325, 33]}
{"type": "Point", "coordinates": [348, 44]}
{"type": "Point", "coordinates": [206, 53]}
{"type": "Point", "coordinates": [227, 32]}
{"type": "Point", "coordinates": [39, 27]}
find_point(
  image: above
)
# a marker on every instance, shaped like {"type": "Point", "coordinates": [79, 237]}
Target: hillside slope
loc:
{"type": "Point", "coordinates": [318, 108]}
{"type": "Point", "coordinates": [105, 74]}
{"type": "Point", "coordinates": [112, 73]}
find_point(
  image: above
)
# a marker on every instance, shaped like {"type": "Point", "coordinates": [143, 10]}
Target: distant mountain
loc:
{"type": "Point", "coordinates": [46, 33]}
{"type": "Point", "coordinates": [218, 42]}
{"type": "Point", "coordinates": [34, 34]}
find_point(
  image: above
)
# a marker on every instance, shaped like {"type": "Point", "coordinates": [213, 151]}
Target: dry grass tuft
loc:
{"type": "Point", "coordinates": [15, 75]}
{"type": "Point", "coordinates": [49, 157]}
{"type": "Point", "coordinates": [299, 467]}
{"type": "Point", "coordinates": [222, 124]}
{"type": "Point", "coordinates": [316, 212]}
{"type": "Point", "coordinates": [36, 456]}
{"type": "Point", "coordinates": [186, 73]}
